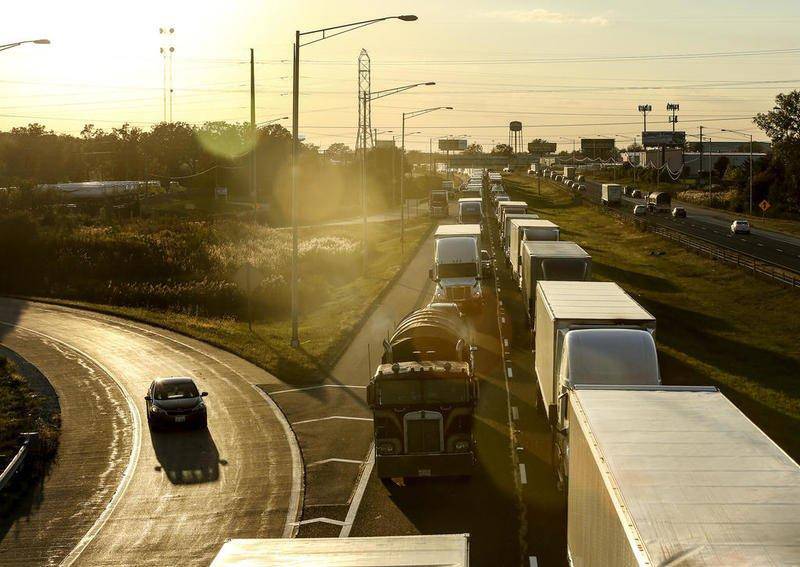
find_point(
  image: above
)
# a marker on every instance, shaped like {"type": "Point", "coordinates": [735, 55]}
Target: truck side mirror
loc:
{"type": "Point", "coordinates": [387, 349]}
{"type": "Point", "coordinates": [431, 275]}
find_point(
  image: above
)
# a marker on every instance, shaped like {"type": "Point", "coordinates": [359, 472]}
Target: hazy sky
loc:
{"type": "Point", "coordinates": [565, 69]}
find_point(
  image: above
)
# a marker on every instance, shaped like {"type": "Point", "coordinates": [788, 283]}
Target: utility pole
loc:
{"type": "Point", "coordinates": [365, 100]}
{"type": "Point", "coordinates": [700, 168]}
{"type": "Point", "coordinates": [295, 342]}
{"type": "Point", "coordinates": [253, 134]}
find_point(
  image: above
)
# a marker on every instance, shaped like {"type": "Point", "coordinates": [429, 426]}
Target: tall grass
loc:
{"type": "Point", "coordinates": [174, 264]}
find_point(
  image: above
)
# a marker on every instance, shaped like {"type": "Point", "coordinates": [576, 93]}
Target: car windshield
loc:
{"type": "Point", "coordinates": [466, 270]}
{"type": "Point", "coordinates": [175, 390]}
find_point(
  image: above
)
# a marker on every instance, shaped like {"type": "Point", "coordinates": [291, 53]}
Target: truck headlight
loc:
{"type": "Point", "coordinates": [462, 445]}
{"type": "Point", "coordinates": [385, 448]}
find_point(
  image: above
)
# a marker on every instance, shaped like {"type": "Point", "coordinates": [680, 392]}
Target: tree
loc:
{"type": "Point", "coordinates": [721, 165]}
{"type": "Point", "coordinates": [782, 125]}
{"type": "Point", "coordinates": [339, 151]}
{"type": "Point", "coordinates": [473, 149]}
{"type": "Point", "coordinates": [503, 149]}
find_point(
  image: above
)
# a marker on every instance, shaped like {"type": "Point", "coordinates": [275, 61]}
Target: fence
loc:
{"type": "Point", "coordinates": [19, 459]}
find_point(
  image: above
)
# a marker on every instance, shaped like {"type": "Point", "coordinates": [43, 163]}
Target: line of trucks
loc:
{"type": "Point", "coordinates": [654, 474]}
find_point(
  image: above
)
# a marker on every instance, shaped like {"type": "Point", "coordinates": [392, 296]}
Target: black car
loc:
{"type": "Point", "coordinates": [175, 401]}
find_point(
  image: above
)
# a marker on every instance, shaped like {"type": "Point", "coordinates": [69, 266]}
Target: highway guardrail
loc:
{"type": "Point", "coordinates": [19, 459]}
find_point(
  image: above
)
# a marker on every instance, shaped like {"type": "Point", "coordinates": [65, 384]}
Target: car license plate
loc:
{"type": "Point", "coordinates": [180, 418]}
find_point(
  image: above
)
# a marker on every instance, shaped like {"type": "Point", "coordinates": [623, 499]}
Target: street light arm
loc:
{"type": "Point", "coordinates": [375, 95]}
{"type": "Point", "coordinates": [18, 43]}
{"type": "Point", "coordinates": [344, 28]}
{"type": "Point", "coordinates": [415, 113]}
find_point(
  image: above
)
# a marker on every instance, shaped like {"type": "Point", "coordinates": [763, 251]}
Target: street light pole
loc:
{"type": "Point", "coordinates": [323, 33]}
{"type": "Point", "coordinates": [408, 115]}
{"type": "Point", "coordinates": [253, 134]}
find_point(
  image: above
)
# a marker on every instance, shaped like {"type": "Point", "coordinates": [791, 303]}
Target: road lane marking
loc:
{"type": "Point", "coordinates": [358, 495]}
{"type": "Point", "coordinates": [532, 561]}
{"type": "Point", "coordinates": [505, 343]}
{"type": "Point", "coordinates": [348, 417]}
{"type": "Point", "coordinates": [515, 413]}
{"type": "Point", "coordinates": [133, 458]}
{"type": "Point", "coordinates": [523, 474]}
{"type": "Point", "coordinates": [334, 460]}
{"type": "Point", "coordinates": [510, 373]}
{"type": "Point", "coordinates": [291, 390]}
{"type": "Point", "coordinates": [320, 520]}
{"type": "Point", "coordinates": [779, 250]}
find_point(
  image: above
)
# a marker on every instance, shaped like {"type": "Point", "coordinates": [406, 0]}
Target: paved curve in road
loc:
{"type": "Point", "coordinates": [121, 495]}
{"type": "Point", "coordinates": [783, 250]}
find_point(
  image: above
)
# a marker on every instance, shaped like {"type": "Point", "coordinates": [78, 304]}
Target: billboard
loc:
{"type": "Point", "coordinates": [384, 144]}
{"type": "Point", "coordinates": [541, 147]}
{"type": "Point", "coordinates": [452, 145]}
{"type": "Point", "coordinates": [597, 148]}
{"type": "Point", "coordinates": [666, 138]}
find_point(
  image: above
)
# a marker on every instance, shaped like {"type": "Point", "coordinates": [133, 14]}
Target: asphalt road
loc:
{"type": "Point", "coordinates": [511, 506]}
{"type": "Point", "coordinates": [121, 495]}
{"type": "Point", "coordinates": [780, 249]}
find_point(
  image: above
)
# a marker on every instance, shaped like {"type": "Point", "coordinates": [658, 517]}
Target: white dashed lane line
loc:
{"type": "Point", "coordinates": [523, 474]}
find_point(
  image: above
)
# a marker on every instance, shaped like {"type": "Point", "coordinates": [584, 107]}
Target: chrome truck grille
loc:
{"type": "Point", "coordinates": [423, 432]}
{"type": "Point", "coordinates": [458, 292]}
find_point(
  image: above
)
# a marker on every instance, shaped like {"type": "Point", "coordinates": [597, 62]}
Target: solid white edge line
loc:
{"type": "Point", "coordinates": [294, 448]}
{"type": "Point", "coordinates": [294, 508]}
{"type": "Point", "coordinates": [291, 390]}
{"type": "Point", "coordinates": [358, 495]}
{"type": "Point", "coordinates": [133, 457]}
{"type": "Point", "coordinates": [313, 420]}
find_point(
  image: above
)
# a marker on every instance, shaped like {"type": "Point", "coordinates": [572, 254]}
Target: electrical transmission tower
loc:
{"type": "Point", "coordinates": [364, 103]}
{"type": "Point", "coordinates": [167, 50]}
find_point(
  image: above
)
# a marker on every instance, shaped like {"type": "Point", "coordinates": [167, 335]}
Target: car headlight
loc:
{"type": "Point", "coordinates": [385, 448]}
{"type": "Point", "coordinates": [157, 409]}
{"type": "Point", "coordinates": [462, 445]}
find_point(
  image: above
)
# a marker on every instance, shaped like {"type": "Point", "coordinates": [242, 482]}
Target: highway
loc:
{"type": "Point", "coordinates": [780, 249]}
{"type": "Point", "coordinates": [121, 495]}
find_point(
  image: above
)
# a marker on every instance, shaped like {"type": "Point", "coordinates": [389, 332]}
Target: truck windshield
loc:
{"type": "Point", "coordinates": [468, 270]}
{"type": "Point", "coordinates": [438, 391]}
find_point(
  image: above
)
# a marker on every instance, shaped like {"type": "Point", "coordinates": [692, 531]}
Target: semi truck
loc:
{"type": "Point", "coordinates": [676, 476]}
{"type": "Point", "coordinates": [470, 210]}
{"type": "Point", "coordinates": [457, 267]}
{"type": "Point", "coordinates": [569, 172]}
{"type": "Point", "coordinates": [437, 203]}
{"type": "Point", "coordinates": [611, 194]}
{"type": "Point", "coordinates": [504, 228]}
{"type": "Point", "coordinates": [407, 551]}
{"type": "Point", "coordinates": [521, 230]}
{"type": "Point", "coordinates": [509, 207]}
{"type": "Point", "coordinates": [550, 261]}
{"type": "Point", "coordinates": [590, 311]}
{"type": "Point", "coordinates": [423, 396]}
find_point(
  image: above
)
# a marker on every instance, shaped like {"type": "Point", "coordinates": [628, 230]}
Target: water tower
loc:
{"type": "Point", "coordinates": [515, 135]}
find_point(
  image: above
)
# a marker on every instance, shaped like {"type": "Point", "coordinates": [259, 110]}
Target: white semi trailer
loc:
{"type": "Point", "coordinates": [554, 261]}
{"type": "Point", "coordinates": [590, 333]}
{"type": "Point", "coordinates": [507, 218]}
{"type": "Point", "coordinates": [522, 230]}
{"type": "Point", "coordinates": [676, 476]}
{"type": "Point", "coordinates": [389, 551]}
{"type": "Point", "coordinates": [611, 194]}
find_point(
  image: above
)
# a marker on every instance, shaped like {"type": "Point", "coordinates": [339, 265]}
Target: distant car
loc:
{"type": "Point", "coordinates": [486, 265]}
{"type": "Point", "coordinates": [628, 191]}
{"type": "Point", "coordinates": [531, 172]}
{"type": "Point", "coordinates": [506, 170]}
{"type": "Point", "coordinates": [651, 207]}
{"type": "Point", "coordinates": [636, 194]}
{"type": "Point", "coordinates": [581, 187]}
{"type": "Point", "coordinates": [639, 210]}
{"type": "Point", "coordinates": [740, 226]}
{"type": "Point", "coordinates": [175, 401]}
{"type": "Point", "coordinates": [679, 213]}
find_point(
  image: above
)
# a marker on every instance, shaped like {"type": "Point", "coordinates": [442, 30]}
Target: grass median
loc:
{"type": "Point", "coordinates": [717, 325]}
